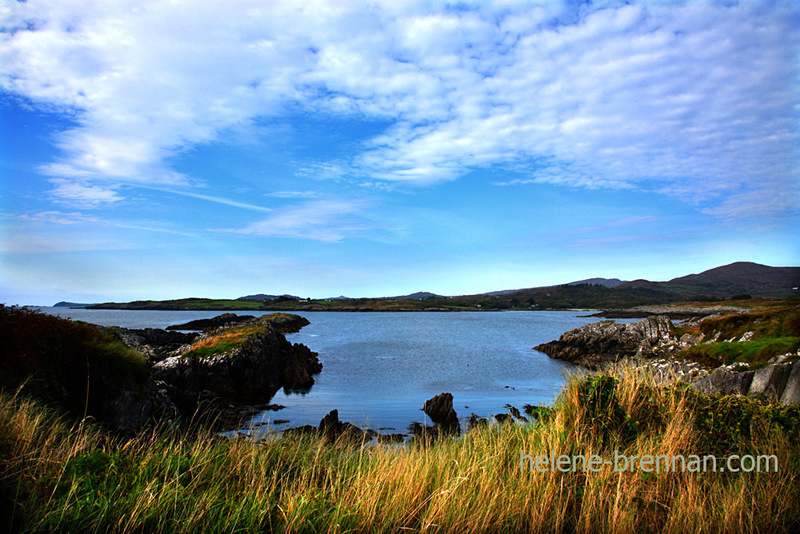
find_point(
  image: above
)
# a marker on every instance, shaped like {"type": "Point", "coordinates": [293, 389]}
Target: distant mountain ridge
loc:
{"type": "Point", "coordinates": [419, 295]}
{"type": "Point", "coordinates": [262, 296]}
{"type": "Point", "coordinates": [742, 277]}
{"type": "Point", "coordinates": [606, 282]}
{"type": "Point", "coordinates": [739, 280]}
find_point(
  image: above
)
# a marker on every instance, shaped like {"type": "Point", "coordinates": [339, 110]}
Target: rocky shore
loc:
{"type": "Point", "coordinates": [596, 344]}
{"type": "Point", "coordinates": [674, 312]}
{"type": "Point", "coordinates": [657, 343]}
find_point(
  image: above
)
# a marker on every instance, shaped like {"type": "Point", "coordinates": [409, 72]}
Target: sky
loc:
{"type": "Point", "coordinates": [210, 148]}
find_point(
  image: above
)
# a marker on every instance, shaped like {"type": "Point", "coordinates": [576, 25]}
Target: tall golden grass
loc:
{"type": "Point", "coordinates": [57, 477]}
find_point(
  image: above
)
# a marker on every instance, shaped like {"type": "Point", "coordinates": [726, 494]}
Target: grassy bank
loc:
{"type": "Point", "coordinates": [69, 363]}
{"type": "Point", "coordinates": [752, 338]}
{"type": "Point", "coordinates": [58, 477]}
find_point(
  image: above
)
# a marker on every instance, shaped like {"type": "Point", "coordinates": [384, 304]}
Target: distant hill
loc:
{"type": "Point", "coordinates": [419, 295]}
{"type": "Point", "coordinates": [739, 278]}
{"type": "Point", "coordinates": [64, 304]}
{"type": "Point", "coordinates": [262, 297]}
{"type": "Point", "coordinates": [606, 282]}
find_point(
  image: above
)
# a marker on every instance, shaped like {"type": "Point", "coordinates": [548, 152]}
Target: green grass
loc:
{"type": "Point", "coordinates": [773, 332]}
{"type": "Point", "coordinates": [757, 351]}
{"type": "Point", "coordinates": [224, 342]}
{"type": "Point", "coordinates": [59, 478]}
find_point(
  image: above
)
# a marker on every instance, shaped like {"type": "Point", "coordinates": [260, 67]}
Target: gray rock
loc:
{"type": "Point", "coordinates": [596, 344]}
{"type": "Point", "coordinates": [737, 383]}
{"type": "Point", "coordinates": [770, 380]}
{"type": "Point", "coordinates": [154, 343]}
{"type": "Point", "coordinates": [791, 393]}
{"type": "Point", "coordinates": [725, 382]}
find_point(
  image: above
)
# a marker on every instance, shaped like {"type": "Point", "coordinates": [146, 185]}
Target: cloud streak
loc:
{"type": "Point", "coordinates": [328, 221]}
{"type": "Point", "coordinates": [697, 101]}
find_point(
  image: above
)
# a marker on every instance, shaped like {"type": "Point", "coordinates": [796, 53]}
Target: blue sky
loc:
{"type": "Point", "coordinates": [222, 148]}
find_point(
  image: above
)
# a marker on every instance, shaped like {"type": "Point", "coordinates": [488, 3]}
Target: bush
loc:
{"type": "Point", "coordinates": [73, 364]}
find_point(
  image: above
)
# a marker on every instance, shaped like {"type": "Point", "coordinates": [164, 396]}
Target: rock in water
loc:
{"type": "Point", "coordinates": [332, 428]}
{"type": "Point", "coordinates": [251, 371]}
{"type": "Point", "coordinates": [440, 410]}
{"type": "Point", "coordinates": [598, 343]}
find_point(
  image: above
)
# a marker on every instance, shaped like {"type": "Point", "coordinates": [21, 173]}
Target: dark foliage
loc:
{"type": "Point", "coordinates": [69, 363]}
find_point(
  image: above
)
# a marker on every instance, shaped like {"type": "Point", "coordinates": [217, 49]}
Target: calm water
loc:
{"type": "Point", "coordinates": [379, 368]}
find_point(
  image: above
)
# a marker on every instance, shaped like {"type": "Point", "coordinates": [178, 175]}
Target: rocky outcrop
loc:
{"type": "Point", "coordinates": [286, 323]}
{"type": "Point", "coordinates": [726, 382]}
{"type": "Point", "coordinates": [596, 344]}
{"type": "Point", "coordinates": [674, 312]}
{"type": "Point", "coordinates": [154, 343]}
{"type": "Point", "coordinates": [791, 393]}
{"type": "Point", "coordinates": [252, 371]}
{"type": "Point", "coordinates": [283, 322]}
{"type": "Point", "coordinates": [215, 322]}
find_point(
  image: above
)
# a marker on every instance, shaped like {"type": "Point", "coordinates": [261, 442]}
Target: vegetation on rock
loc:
{"type": "Point", "coordinates": [753, 338]}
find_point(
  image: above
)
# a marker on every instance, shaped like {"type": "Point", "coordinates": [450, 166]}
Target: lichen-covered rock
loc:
{"type": "Point", "coordinates": [596, 344]}
{"type": "Point", "coordinates": [283, 322]}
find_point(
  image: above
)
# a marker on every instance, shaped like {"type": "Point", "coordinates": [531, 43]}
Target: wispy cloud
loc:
{"type": "Point", "coordinates": [328, 221]}
{"type": "Point", "coordinates": [699, 100]}
{"type": "Point", "coordinates": [36, 220]}
{"type": "Point", "coordinates": [53, 217]}
{"type": "Point", "coordinates": [81, 195]}
{"type": "Point", "coordinates": [294, 194]}
{"type": "Point", "coordinates": [217, 200]}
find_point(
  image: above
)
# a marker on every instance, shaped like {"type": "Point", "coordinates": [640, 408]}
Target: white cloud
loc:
{"type": "Point", "coordinates": [328, 221]}
{"type": "Point", "coordinates": [699, 100]}
{"type": "Point", "coordinates": [83, 195]}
